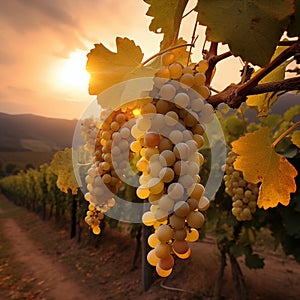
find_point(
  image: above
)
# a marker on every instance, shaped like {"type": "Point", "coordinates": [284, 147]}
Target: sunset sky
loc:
{"type": "Point", "coordinates": [43, 41]}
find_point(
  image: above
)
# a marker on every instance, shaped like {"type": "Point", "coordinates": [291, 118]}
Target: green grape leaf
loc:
{"type": "Point", "coordinates": [291, 113]}
{"type": "Point", "coordinates": [247, 236]}
{"type": "Point", "coordinates": [238, 250]}
{"type": "Point", "coordinates": [107, 68]}
{"type": "Point", "coordinates": [252, 29]}
{"type": "Point", "coordinates": [259, 162]}
{"type": "Point", "coordinates": [271, 120]}
{"type": "Point", "coordinates": [294, 27]}
{"type": "Point", "coordinates": [266, 100]}
{"type": "Point", "coordinates": [253, 261]}
{"type": "Point", "coordinates": [167, 16]}
{"type": "Point", "coordinates": [296, 138]}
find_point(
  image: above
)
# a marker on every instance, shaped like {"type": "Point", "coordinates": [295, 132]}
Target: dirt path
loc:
{"type": "Point", "coordinates": [65, 270]}
{"type": "Point", "coordinates": [48, 272]}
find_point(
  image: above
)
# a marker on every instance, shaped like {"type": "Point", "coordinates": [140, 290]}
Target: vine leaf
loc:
{"type": "Point", "coordinates": [266, 100]}
{"type": "Point", "coordinates": [253, 261]}
{"type": "Point", "coordinates": [108, 68]}
{"type": "Point", "coordinates": [62, 166]}
{"type": "Point", "coordinates": [259, 162]}
{"type": "Point", "coordinates": [291, 113]}
{"type": "Point", "coordinates": [167, 16]}
{"type": "Point", "coordinates": [296, 138]}
{"type": "Point", "coordinates": [181, 53]}
{"type": "Point", "coordinates": [252, 29]}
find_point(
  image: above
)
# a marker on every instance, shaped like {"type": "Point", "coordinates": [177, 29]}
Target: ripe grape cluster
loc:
{"type": "Point", "coordinates": [111, 158]}
{"type": "Point", "coordinates": [163, 132]}
{"type": "Point", "coordinates": [170, 135]}
{"type": "Point", "coordinates": [244, 194]}
{"type": "Point", "coordinates": [89, 131]}
{"type": "Point", "coordinates": [93, 218]}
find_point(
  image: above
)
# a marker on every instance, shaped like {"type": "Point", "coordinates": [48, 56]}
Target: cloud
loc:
{"type": "Point", "coordinates": [56, 10]}
{"type": "Point", "coordinates": [17, 100]}
{"type": "Point", "coordinates": [31, 15]}
{"type": "Point", "coordinates": [36, 34]}
{"type": "Point", "coordinates": [6, 58]}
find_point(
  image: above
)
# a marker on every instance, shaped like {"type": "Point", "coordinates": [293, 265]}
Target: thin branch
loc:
{"type": "Point", "coordinates": [286, 43]}
{"type": "Point", "coordinates": [289, 84]}
{"type": "Point", "coordinates": [243, 119]}
{"type": "Point", "coordinates": [162, 284]}
{"type": "Point", "coordinates": [282, 136]}
{"type": "Point", "coordinates": [244, 74]}
{"type": "Point", "coordinates": [213, 51]}
{"type": "Point", "coordinates": [217, 58]}
{"type": "Point", "coordinates": [190, 11]}
{"type": "Point", "coordinates": [282, 57]}
{"type": "Point", "coordinates": [230, 94]}
{"type": "Point", "coordinates": [193, 40]}
{"type": "Point", "coordinates": [213, 59]}
{"type": "Point", "coordinates": [213, 89]}
{"type": "Point", "coordinates": [166, 50]}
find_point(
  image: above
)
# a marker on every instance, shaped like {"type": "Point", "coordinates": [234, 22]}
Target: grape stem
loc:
{"type": "Point", "coordinates": [189, 12]}
{"type": "Point", "coordinates": [166, 50]}
{"type": "Point", "coordinates": [283, 135]}
{"type": "Point", "coordinates": [194, 38]}
{"type": "Point", "coordinates": [212, 58]}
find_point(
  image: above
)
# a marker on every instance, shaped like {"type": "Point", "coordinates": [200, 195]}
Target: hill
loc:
{"type": "Point", "coordinates": [28, 132]}
{"type": "Point", "coordinates": [28, 140]}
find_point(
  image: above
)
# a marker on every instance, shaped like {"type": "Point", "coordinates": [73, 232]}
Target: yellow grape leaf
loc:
{"type": "Point", "coordinates": [266, 100]}
{"type": "Point", "coordinates": [259, 162]}
{"type": "Point", "coordinates": [182, 54]}
{"type": "Point", "coordinates": [296, 138]}
{"type": "Point", "coordinates": [108, 68]}
{"type": "Point", "coordinates": [62, 166]}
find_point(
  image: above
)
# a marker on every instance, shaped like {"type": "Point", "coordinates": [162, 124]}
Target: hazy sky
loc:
{"type": "Point", "coordinates": [39, 36]}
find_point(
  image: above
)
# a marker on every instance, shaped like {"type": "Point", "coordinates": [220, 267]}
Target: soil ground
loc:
{"type": "Point", "coordinates": [39, 261]}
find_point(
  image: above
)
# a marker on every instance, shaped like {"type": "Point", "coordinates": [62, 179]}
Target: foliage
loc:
{"type": "Point", "coordinates": [167, 16]}
{"type": "Point", "coordinates": [266, 100]}
{"type": "Point", "coordinates": [230, 21]}
{"type": "Point", "coordinates": [274, 171]}
{"type": "Point", "coordinates": [62, 166]}
{"type": "Point", "coordinates": [253, 31]}
{"type": "Point", "coordinates": [296, 138]}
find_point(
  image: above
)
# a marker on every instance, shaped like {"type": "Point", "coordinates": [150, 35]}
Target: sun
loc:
{"type": "Point", "coordinates": [72, 73]}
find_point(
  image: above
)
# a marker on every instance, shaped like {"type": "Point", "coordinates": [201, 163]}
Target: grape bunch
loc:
{"type": "Point", "coordinates": [89, 131]}
{"type": "Point", "coordinates": [170, 135]}
{"type": "Point", "coordinates": [111, 158]}
{"type": "Point", "coordinates": [93, 218]}
{"type": "Point", "coordinates": [244, 194]}
{"type": "Point", "coordinates": [163, 134]}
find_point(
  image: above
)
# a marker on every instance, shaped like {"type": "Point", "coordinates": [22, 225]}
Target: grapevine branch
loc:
{"type": "Point", "coordinates": [166, 50]}
{"type": "Point", "coordinates": [212, 58]}
{"type": "Point", "coordinates": [234, 100]}
{"type": "Point", "coordinates": [274, 144]}
{"type": "Point", "coordinates": [234, 95]}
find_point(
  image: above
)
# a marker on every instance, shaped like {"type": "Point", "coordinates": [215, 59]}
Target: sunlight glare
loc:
{"type": "Point", "coordinates": [73, 73]}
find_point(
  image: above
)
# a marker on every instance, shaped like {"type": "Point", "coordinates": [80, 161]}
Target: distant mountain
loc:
{"type": "Point", "coordinates": [28, 132]}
